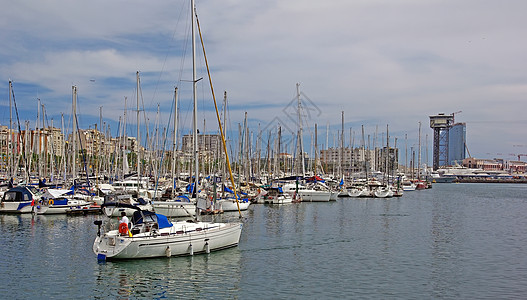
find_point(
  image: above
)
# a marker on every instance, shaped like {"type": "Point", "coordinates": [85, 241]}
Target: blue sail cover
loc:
{"type": "Point", "coordinates": [228, 190]}
{"type": "Point", "coordinates": [163, 222]}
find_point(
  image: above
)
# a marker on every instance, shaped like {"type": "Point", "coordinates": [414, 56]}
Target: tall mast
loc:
{"type": "Point", "coordinates": [300, 144]}
{"type": "Point", "coordinates": [419, 155]}
{"type": "Point", "coordinates": [387, 154]}
{"type": "Point", "coordinates": [195, 100]}
{"type": "Point", "coordinates": [63, 148]}
{"type": "Point", "coordinates": [341, 152]}
{"type": "Point", "coordinates": [125, 141]}
{"type": "Point", "coordinates": [74, 133]}
{"type": "Point", "coordinates": [279, 149]}
{"type": "Point", "coordinates": [38, 147]}
{"type": "Point", "coordinates": [316, 150]}
{"type": "Point", "coordinates": [406, 154]}
{"type": "Point", "coordinates": [10, 136]}
{"type": "Point", "coordinates": [174, 147]}
{"type": "Point", "coordinates": [138, 142]}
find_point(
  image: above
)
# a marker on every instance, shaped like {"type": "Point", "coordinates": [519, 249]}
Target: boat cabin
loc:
{"type": "Point", "coordinates": [146, 221]}
{"type": "Point", "coordinates": [18, 194]}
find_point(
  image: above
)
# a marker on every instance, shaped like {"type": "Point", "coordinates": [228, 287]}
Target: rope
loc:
{"type": "Point", "coordinates": [219, 120]}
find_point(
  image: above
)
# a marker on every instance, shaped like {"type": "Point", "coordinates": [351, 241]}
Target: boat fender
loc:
{"type": "Point", "coordinates": [191, 250]}
{"type": "Point", "coordinates": [51, 202]}
{"type": "Point", "coordinates": [123, 228]}
{"type": "Point", "coordinates": [207, 248]}
{"type": "Point", "coordinates": [168, 252]}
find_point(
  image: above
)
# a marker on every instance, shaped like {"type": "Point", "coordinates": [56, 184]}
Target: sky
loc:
{"type": "Point", "coordinates": [383, 63]}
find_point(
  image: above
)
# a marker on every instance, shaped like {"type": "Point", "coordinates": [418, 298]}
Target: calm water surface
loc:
{"type": "Point", "coordinates": [453, 241]}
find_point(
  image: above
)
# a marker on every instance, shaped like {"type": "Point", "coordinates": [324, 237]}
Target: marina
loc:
{"type": "Point", "coordinates": [191, 196]}
{"type": "Point", "coordinates": [451, 241]}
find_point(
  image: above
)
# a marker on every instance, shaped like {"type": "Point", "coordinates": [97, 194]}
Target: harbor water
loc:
{"type": "Point", "coordinates": [454, 241]}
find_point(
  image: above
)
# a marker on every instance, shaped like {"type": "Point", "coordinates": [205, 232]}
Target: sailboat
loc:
{"type": "Point", "coordinates": [151, 234]}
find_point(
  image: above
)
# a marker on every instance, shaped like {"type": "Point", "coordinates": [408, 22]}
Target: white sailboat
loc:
{"type": "Point", "coordinates": [60, 202]}
{"type": "Point", "coordinates": [152, 235]}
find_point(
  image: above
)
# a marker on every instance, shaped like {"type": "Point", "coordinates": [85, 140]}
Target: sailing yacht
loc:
{"type": "Point", "coordinates": [151, 234]}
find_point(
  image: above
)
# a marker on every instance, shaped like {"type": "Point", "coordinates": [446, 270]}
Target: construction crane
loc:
{"type": "Point", "coordinates": [454, 116]}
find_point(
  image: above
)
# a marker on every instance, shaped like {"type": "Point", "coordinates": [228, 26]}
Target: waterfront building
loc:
{"type": "Point", "coordinates": [457, 143]}
{"type": "Point", "coordinates": [497, 164]}
{"type": "Point", "coordinates": [358, 160]}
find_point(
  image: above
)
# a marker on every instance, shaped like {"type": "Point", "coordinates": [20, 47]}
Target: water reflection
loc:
{"type": "Point", "coordinates": [214, 275]}
{"type": "Point", "coordinates": [453, 241]}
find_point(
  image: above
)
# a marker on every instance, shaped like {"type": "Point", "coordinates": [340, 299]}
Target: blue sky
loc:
{"type": "Point", "coordinates": [381, 62]}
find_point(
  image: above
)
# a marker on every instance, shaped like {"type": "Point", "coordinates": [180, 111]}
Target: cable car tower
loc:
{"type": "Point", "coordinates": [441, 125]}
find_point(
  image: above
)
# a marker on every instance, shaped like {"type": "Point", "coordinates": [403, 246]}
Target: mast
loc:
{"type": "Point", "coordinates": [300, 143]}
{"type": "Point", "coordinates": [316, 151]}
{"type": "Point", "coordinates": [387, 155]}
{"type": "Point", "coordinates": [279, 149]}
{"type": "Point", "coordinates": [224, 156]}
{"type": "Point", "coordinates": [406, 154]}
{"type": "Point", "coordinates": [138, 142]}
{"type": "Point", "coordinates": [174, 147]}
{"type": "Point", "coordinates": [125, 141]}
{"type": "Point", "coordinates": [341, 152]}
{"type": "Point", "coordinates": [74, 133]}
{"type": "Point", "coordinates": [364, 154]}
{"type": "Point", "coordinates": [419, 155]}
{"type": "Point", "coordinates": [195, 100]}
{"type": "Point", "coordinates": [10, 136]}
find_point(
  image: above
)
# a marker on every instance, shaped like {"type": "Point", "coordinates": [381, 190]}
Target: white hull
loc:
{"type": "Point", "coordinates": [182, 238]}
{"type": "Point", "coordinates": [383, 192]}
{"type": "Point", "coordinates": [62, 209]}
{"type": "Point", "coordinates": [282, 199]}
{"type": "Point", "coordinates": [314, 196]}
{"type": "Point", "coordinates": [22, 208]}
{"type": "Point", "coordinates": [352, 192]}
{"type": "Point", "coordinates": [21, 200]}
{"type": "Point", "coordinates": [333, 196]}
{"type": "Point", "coordinates": [408, 188]}
{"type": "Point", "coordinates": [366, 192]}
{"type": "Point", "coordinates": [230, 205]}
{"type": "Point", "coordinates": [175, 208]}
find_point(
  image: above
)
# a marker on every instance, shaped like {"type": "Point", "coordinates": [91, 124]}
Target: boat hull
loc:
{"type": "Point", "coordinates": [22, 208]}
{"type": "Point", "coordinates": [182, 239]}
{"type": "Point", "coordinates": [230, 205]}
{"type": "Point", "coordinates": [68, 206]}
{"type": "Point", "coordinates": [175, 209]}
{"type": "Point", "coordinates": [314, 196]}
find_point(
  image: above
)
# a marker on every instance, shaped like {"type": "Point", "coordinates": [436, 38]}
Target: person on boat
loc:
{"type": "Point", "coordinates": [124, 219]}
{"type": "Point", "coordinates": [124, 224]}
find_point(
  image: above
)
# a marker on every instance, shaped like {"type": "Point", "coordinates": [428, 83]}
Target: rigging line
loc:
{"type": "Point", "coordinates": [20, 131]}
{"type": "Point", "coordinates": [166, 55]}
{"type": "Point", "coordinates": [144, 116]}
{"type": "Point", "coordinates": [163, 150]}
{"type": "Point", "coordinates": [83, 156]}
{"type": "Point", "coordinates": [218, 116]}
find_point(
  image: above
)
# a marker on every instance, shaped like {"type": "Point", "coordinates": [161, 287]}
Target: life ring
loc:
{"type": "Point", "coordinates": [123, 228]}
{"type": "Point", "coordinates": [51, 202]}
